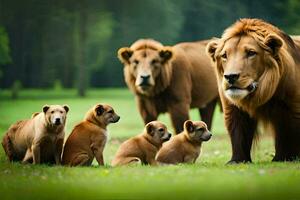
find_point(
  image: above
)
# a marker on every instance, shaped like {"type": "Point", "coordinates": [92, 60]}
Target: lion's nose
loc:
{"type": "Point", "coordinates": [231, 78]}
{"type": "Point", "coordinates": [145, 80]}
{"type": "Point", "coordinates": [145, 77]}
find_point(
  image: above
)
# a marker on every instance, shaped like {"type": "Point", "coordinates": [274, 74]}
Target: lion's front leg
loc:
{"type": "Point", "coordinates": [241, 128]}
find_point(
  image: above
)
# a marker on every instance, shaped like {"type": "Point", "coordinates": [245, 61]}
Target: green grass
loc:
{"type": "Point", "coordinates": [209, 178]}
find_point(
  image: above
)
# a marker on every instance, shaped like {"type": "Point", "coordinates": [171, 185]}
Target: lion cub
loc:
{"type": "Point", "coordinates": [88, 138]}
{"type": "Point", "coordinates": [39, 139]}
{"type": "Point", "coordinates": [185, 147]}
{"type": "Point", "coordinates": [143, 148]}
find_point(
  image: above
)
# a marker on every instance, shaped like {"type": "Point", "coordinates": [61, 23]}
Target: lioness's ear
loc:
{"type": "Point", "coordinates": [189, 126]}
{"type": "Point", "coordinates": [274, 43]}
{"type": "Point", "coordinates": [150, 129]}
{"type": "Point", "coordinates": [211, 48]}
{"type": "Point", "coordinates": [99, 109]}
{"type": "Point", "coordinates": [124, 54]}
{"type": "Point", "coordinates": [46, 108]}
{"type": "Point", "coordinates": [166, 54]}
{"type": "Point", "coordinates": [66, 107]}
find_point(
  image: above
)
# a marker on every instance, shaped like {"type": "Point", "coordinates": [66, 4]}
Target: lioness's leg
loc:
{"type": "Point", "coordinates": [241, 129]}
{"type": "Point", "coordinates": [207, 113]}
{"type": "Point", "coordinates": [179, 114]}
{"type": "Point", "coordinates": [28, 156]}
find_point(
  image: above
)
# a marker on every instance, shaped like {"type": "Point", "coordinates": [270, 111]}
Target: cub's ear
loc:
{"type": "Point", "coordinates": [274, 43]}
{"type": "Point", "coordinates": [99, 109]}
{"type": "Point", "coordinates": [46, 108]}
{"type": "Point", "coordinates": [124, 54]}
{"type": "Point", "coordinates": [150, 129]}
{"type": "Point", "coordinates": [211, 48]}
{"type": "Point", "coordinates": [166, 54]}
{"type": "Point", "coordinates": [66, 107]}
{"type": "Point", "coordinates": [189, 126]}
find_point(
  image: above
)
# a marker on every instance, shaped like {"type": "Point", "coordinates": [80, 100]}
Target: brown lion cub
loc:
{"type": "Point", "coordinates": [88, 138]}
{"type": "Point", "coordinates": [185, 147]}
{"type": "Point", "coordinates": [143, 148]}
{"type": "Point", "coordinates": [39, 139]}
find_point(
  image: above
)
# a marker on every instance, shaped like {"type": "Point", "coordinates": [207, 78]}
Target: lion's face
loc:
{"type": "Point", "coordinates": [145, 66]}
{"type": "Point", "coordinates": [241, 64]}
{"type": "Point", "coordinates": [244, 66]}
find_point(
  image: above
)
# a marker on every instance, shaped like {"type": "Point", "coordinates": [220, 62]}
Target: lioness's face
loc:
{"type": "Point", "coordinates": [145, 65]}
{"type": "Point", "coordinates": [56, 114]}
{"type": "Point", "coordinates": [240, 62]}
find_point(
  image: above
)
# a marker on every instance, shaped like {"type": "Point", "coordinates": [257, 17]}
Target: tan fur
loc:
{"type": "Point", "coordinates": [184, 147]}
{"type": "Point", "coordinates": [267, 89]}
{"type": "Point", "coordinates": [142, 148]}
{"type": "Point", "coordinates": [88, 138]}
{"type": "Point", "coordinates": [180, 78]}
{"type": "Point", "coordinates": [39, 139]}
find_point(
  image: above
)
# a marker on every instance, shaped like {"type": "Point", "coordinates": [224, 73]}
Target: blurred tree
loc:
{"type": "Point", "coordinates": [75, 42]}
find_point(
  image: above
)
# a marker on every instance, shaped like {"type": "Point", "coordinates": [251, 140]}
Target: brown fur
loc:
{"type": "Point", "coordinates": [184, 147]}
{"type": "Point", "coordinates": [142, 148]}
{"type": "Point", "coordinates": [274, 99]}
{"type": "Point", "coordinates": [88, 138]}
{"type": "Point", "coordinates": [180, 78]}
{"type": "Point", "coordinates": [39, 139]}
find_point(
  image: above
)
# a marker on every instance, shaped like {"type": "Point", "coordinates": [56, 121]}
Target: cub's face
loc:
{"type": "Point", "coordinates": [105, 114]}
{"type": "Point", "coordinates": [56, 114]}
{"type": "Point", "coordinates": [158, 132]}
{"type": "Point", "coordinates": [197, 131]}
{"type": "Point", "coordinates": [145, 65]}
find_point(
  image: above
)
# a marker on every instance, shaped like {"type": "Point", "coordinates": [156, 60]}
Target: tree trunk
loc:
{"type": "Point", "coordinates": [82, 65]}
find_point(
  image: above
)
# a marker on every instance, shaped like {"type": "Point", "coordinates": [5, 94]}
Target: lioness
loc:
{"type": "Point", "coordinates": [170, 79]}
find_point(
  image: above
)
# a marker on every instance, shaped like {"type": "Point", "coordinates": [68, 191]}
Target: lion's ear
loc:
{"type": "Point", "coordinates": [211, 48]}
{"type": "Point", "coordinates": [124, 54]}
{"type": "Point", "coordinates": [274, 43]}
{"type": "Point", "coordinates": [166, 54]}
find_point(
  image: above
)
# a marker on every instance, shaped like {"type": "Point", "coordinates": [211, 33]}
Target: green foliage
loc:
{"type": "Point", "coordinates": [48, 42]}
{"type": "Point", "coordinates": [4, 48]}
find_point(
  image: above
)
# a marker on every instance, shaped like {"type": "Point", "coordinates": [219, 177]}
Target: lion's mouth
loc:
{"type": "Point", "coordinates": [236, 93]}
{"type": "Point", "coordinates": [250, 88]}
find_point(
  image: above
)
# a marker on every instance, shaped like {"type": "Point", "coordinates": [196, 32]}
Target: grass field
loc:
{"type": "Point", "coordinates": [209, 178]}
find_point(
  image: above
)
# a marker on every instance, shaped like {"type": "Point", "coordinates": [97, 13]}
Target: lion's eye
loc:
{"type": "Point", "coordinates": [136, 62]}
{"type": "Point", "coordinates": [52, 112]}
{"type": "Point", "coordinates": [224, 56]}
{"type": "Point", "coordinates": [110, 112]}
{"type": "Point", "coordinates": [251, 53]}
{"type": "Point", "coordinates": [153, 62]}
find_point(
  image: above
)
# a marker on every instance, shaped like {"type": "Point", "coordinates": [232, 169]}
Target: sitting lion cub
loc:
{"type": "Point", "coordinates": [39, 139]}
{"type": "Point", "coordinates": [88, 138]}
{"type": "Point", "coordinates": [185, 147]}
{"type": "Point", "coordinates": [143, 148]}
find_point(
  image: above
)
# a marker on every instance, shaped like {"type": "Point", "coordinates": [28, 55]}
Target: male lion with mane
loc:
{"type": "Point", "coordinates": [258, 70]}
{"type": "Point", "coordinates": [170, 79]}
